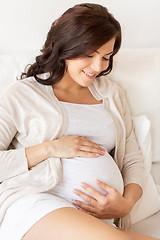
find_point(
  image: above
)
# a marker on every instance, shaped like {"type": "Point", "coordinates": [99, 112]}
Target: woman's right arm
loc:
{"type": "Point", "coordinates": [64, 147]}
{"type": "Point", "coordinates": [14, 162]}
{"type": "Point", "coordinates": [18, 161]}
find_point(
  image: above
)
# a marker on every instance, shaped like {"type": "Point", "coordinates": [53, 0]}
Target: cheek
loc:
{"type": "Point", "coordinates": [106, 65]}
{"type": "Point", "coordinates": [76, 66]}
{"type": "Point", "coordinates": [82, 63]}
{"type": "Point", "coordinates": [74, 71]}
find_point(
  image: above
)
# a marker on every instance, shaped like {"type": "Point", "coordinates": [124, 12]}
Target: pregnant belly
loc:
{"type": "Point", "coordinates": [77, 170]}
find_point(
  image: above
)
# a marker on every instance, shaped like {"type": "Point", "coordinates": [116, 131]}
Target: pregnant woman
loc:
{"type": "Point", "coordinates": [70, 163]}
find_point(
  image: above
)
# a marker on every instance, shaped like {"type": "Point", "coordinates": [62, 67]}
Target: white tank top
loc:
{"type": "Point", "coordinates": [96, 124]}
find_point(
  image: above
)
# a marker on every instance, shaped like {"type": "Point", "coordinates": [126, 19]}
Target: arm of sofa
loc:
{"type": "Point", "coordinates": [155, 171]}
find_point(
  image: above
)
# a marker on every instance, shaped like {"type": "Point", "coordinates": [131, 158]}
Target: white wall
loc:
{"type": "Point", "coordinates": [25, 23]}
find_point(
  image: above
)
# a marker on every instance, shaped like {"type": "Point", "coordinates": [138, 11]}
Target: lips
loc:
{"type": "Point", "coordinates": [91, 75]}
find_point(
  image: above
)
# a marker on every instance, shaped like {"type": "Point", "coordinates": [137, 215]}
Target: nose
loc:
{"type": "Point", "coordinates": [97, 65]}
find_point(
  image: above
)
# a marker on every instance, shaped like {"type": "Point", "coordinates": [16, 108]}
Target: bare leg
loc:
{"type": "Point", "coordinates": [138, 236]}
{"type": "Point", "coordinates": [69, 223]}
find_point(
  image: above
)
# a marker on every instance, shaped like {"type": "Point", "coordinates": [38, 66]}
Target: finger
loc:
{"type": "Point", "coordinates": [86, 154]}
{"type": "Point", "coordinates": [91, 144]}
{"type": "Point", "coordinates": [105, 187]}
{"type": "Point", "coordinates": [82, 210]}
{"type": "Point", "coordinates": [92, 149]}
{"type": "Point", "coordinates": [91, 201]}
{"type": "Point", "coordinates": [93, 192]}
{"type": "Point", "coordinates": [85, 207]}
{"type": "Point", "coordinates": [90, 213]}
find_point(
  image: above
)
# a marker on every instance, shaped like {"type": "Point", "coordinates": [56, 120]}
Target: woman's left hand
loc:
{"type": "Point", "coordinates": [113, 205]}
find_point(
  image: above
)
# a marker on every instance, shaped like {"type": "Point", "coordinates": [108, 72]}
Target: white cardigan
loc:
{"type": "Point", "coordinates": [31, 114]}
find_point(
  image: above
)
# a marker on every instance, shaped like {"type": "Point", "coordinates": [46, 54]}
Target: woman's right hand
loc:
{"type": "Point", "coordinates": [75, 146]}
{"type": "Point", "coordinates": [64, 147]}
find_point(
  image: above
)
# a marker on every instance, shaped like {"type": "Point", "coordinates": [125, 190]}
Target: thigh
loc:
{"type": "Point", "coordinates": [137, 236]}
{"type": "Point", "coordinates": [26, 211]}
{"type": "Point", "coordinates": [69, 223]}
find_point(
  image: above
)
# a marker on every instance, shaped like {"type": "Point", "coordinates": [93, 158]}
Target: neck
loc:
{"type": "Point", "coordinates": [68, 85]}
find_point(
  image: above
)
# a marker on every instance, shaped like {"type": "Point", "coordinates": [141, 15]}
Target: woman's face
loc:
{"type": "Point", "coordinates": [83, 70]}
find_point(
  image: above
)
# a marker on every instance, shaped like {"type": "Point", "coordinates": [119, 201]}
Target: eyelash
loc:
{"type": "Point", "coordinates": [105, 59]}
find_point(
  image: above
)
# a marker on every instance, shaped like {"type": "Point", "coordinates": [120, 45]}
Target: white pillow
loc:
{"type": "Point", "coordinates": [11, 67]}
{"type": "Point", "coordinates": [142, 130]}
{"type": "Point", "coordinates": [149, 203]}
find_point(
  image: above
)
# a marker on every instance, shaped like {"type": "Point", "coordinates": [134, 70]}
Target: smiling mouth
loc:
{"type": "Point", "coordinates": [89, 74]}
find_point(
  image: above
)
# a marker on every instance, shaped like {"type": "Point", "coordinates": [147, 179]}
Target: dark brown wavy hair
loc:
{"type": "Point", "coordinates": [80, 31]}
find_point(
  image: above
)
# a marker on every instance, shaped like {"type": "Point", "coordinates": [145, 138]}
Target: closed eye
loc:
{"type": "Point", "coordinates": [89, 56]}
{"type": "Point", "coordinates": [105, 59]}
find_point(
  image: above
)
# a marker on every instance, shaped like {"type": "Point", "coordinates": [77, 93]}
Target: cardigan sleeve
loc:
{"type": "Point", "coordinates": [12, 162]}
{"type": "Point", "coordinates": [133, 164]}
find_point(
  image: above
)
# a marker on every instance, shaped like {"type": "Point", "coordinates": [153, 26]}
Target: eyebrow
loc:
{"type": "Point", "coordinates": [104, 54]}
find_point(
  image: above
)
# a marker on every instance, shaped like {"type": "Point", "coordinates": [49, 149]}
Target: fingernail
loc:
{"type": "Point", "coordinates": [74, 201]}
{"type": "Point", "coordinates": [82, 184]}
{"type": "Point", "coordinates": [98, 181]}
{"type": "Point", "coordinates": [80, 209]}
{"type": "Point", "coordinates": [75, 191]}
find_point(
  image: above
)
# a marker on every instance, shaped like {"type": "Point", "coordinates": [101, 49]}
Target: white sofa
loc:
{"type": "Point", "coordinates": [138, 72]}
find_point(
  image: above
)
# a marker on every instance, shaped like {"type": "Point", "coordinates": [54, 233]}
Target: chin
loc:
{"type": "Point", "coordinates": [87, 84]}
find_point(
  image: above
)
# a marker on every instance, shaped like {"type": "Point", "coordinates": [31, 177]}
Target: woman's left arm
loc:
{"type": "Point", "coordinates": [132, 192]}
{"type": "Point", "coordinates": [133, 165]}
